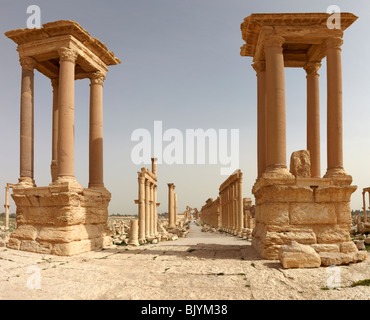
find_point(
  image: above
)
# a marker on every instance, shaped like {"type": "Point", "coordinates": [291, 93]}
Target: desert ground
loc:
{"type": "Point", "coordinates": [202, 266]}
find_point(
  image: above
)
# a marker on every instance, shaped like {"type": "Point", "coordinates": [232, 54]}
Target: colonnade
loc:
{"type": "Point", "coordinates": [62, 165]}
{"type": "Point", "coordinates": [148, 216]}
{"type": "Point", "coordinates": [271, 117]}
{"type": "Point", "coordinates": [231, 200]}
{"type": "Point", "coordinates": [211, 213]}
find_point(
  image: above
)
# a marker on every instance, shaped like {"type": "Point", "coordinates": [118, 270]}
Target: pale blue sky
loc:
{"type": "Point", "coordinates": [181, 64]}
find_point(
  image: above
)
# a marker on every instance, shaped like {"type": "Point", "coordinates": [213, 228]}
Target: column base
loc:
{"type": "Point", "coordinates": [339, 176]}
{"type": "Point", "coordinates": [134, 242]}
{"type": "Point", "coordinates": [69, 181]}
{"type": "Point", "coordinates": [96, 185]}
{"type": "Point", "coordinates": [312, 212]}
{"type": "Point", "coordinates": [277, 172]}
{"type": "Point", "coordinates": [61, 220]}
{"type": "Point", "coordinates": [26, 182]}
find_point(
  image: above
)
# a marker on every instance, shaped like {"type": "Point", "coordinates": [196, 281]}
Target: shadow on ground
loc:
{"type": "Point", "coordinates": [200, 251]}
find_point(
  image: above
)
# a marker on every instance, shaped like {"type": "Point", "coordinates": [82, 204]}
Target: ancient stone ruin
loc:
{"type": "Point", "coordinates": [172, 206]}
{"type": "Point", "coordinates": [364, 202]}
{"type": "Point", "coordinates": [62, 218]}
{"type": "Point", "coordinates": [7, 205]}
{"type": "Point", "coordinates": [231, 199]}
{"type": "Point", "coordinates": [229, 212]}
{"type": "Point", "coordinates": [148, 216]}
{"type": "Point", "coordinates": [299, 206]}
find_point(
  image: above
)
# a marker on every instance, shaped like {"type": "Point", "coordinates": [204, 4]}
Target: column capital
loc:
{"type": "Point", "coordinates": [67, 54]}
{"type": "Point", "coordinates": [97, 77]}
{"type": "Point", "coordinates": [334, 43]}
{"type": "Point", "coordinates": [274, 41]}
{"type": "Point", "coordinates": [147, 183]}
{"type": "Point", "coordinates": [27, 63]}
{"type": "Point", "coordinates": [312, 67]}
{"type": "Point", "coordinates": [259, 66]}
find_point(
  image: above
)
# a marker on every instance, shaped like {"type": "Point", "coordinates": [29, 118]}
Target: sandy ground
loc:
{"type": "Point", "coordinates": [203, 266]}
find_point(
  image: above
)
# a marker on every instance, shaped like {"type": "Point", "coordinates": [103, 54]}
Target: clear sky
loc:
{"type": "Point", "coordinates": [181, 65]}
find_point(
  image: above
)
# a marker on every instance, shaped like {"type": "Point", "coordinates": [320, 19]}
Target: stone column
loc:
{"type": "Point", "coordinates": [141, 208]}
{"type": "Point", "coordinates": [96, 131]}
{"type": "Point", "coordinates": [365, 214]}
{"type": "Point", "coordinates": [134, 233]}
{"type": "Point", "coordinates": [221, 213]}
{"type": "Point", "coordinates": [147, 209]}
{"type": "Point", "coordinates": [27, 123]}
{"type": "Point", "coordinates": [227, 191]}
{"type": "Point", "coordinates": [66, 115]}
{"type": "Point", "coordinates": [54, 154]}
{"type": "Point", "coordinates": [334, 107]}
{"type": "Point", "coordinates": [275, 107]}
{"type": "Point", "coordinates": [235, 209]}
{"type": "Point", "coordinates": [240, 204]}
{"type": "Point", "coordinates": [171, 221]}
{"type": "Point", "coordinates": [6, 206]}
{"type": "Point", "coordinates": [260, 68]}
{"type": "Point", "coordinates": [231, 206]}
{"type": "Point", "coordinates": [175, 208]}
{"type": "Point", "coordinates": [154, 166]}
{"type": "Point", "coordinates": [313, 116]}
{"type": "Point", "coordinates": [155, 212]}
{"type": "Point", "coordinates": [152, 204]}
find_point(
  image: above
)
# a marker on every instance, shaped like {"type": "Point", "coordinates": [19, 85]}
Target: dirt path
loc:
{"type": "Point", "coordinates": [201, 266]}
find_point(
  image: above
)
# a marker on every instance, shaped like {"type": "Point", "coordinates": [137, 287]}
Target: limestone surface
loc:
{"type": "Point", "coordinates": [298, 255]}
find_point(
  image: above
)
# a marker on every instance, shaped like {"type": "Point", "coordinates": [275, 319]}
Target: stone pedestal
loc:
{"type": "Point", "coordinates": [60, 219]}
{"type": "Point", "coordinates": [311, 211]}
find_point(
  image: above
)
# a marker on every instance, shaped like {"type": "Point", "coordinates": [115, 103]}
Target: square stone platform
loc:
{"type": "Point", "coordinates": [60, 219]}
{"type": "Point", "coordinates": [311, 211]}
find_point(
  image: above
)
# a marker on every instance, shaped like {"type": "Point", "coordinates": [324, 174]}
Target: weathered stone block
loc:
{"type": "Point", "coordinates": [273, 213]}
{"type": "Point", "coordinates": [343, 211]}
{"type": "Point", "coordinates": [14, 243]}
{"type": "Point", "coordinates": [69, 233]}
{"type": "Point", "coordinates": [334, 193]}
{"type": "Point", "coordinates": [279, 193]}
{"type": "Point", "coordinates": [325, 247]}
{"type": "Point", "coordinates": [297, 255]}
{"type": "Point", "coordinates": [347, 247]}
{"type": "Point", "coordinates": [68, 216]}
{"type": "Point", "coordinates": [57, 223]}
{"type": "Point", "coordinates": [73, 248]}
{"type": "Point", "coordinates": [28, 232]}
{"type": "Point", "coordinates": [60, 200]}
{"type": "Point", "coordinates": [312, 213]}
{"type": "Point", "coordinates": [300, 164]}
{"type": "Point", "coordinates": [285, 237]}
{"type": "Point", "coordinates": [329, 258]}
{"type": "Point", "coordinates": [21, 200]}
{"type": "Point", "coordinates": [331, 233]}
{"type": "Point", "coordinates": [34, 246]}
